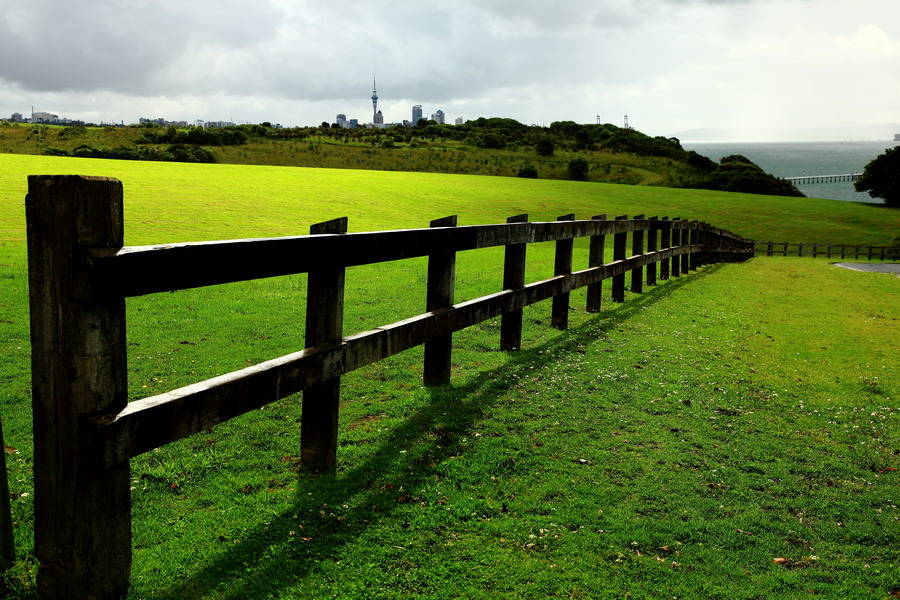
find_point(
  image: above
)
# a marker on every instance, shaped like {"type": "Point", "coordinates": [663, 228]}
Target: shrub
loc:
{"type": "Point", "coordinates": [578, 169]}
{"type": "Point", "coordinates": [528, 171]}
{"type": "Point", "coordinates": [544, 147]}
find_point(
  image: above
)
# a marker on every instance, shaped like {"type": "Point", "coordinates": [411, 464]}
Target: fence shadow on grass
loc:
{"type": "Point", "coordinates": [251, 570]}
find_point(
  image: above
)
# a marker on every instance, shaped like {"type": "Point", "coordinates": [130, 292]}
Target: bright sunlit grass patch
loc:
{"type": "Point", "coordinates": [674, 445]}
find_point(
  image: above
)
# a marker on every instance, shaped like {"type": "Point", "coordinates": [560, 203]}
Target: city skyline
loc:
{"type": "Point", "coordinates": [671, 65]}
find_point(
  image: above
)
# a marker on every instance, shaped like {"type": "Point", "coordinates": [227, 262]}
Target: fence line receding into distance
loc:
{"type": "Point", "coordinates": [80, 275]}
{"type": "Point", "coordinates": [842, 251]}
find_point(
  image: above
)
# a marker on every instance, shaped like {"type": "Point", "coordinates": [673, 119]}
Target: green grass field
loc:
{"type": "Point", "coordinates": [671, 446]}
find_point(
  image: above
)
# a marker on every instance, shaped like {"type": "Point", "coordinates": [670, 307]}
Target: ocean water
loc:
{"type": "Point", "coordinates": [795, 159]}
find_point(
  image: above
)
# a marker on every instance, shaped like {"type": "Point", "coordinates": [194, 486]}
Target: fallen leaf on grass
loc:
{"type": "Point", "coordinates": [246, 490]}
{"type": "Point", "coordinates": [742, 532]}
{"type": "Point", "coordinates": [10, 450]}
{"type": "Point", "coordinates": [782, 561]}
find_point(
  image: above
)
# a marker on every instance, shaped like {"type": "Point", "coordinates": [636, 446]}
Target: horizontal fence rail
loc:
{"type": "Point", "coordinates": [842, 251]}
{"type": "Point", "coordinates": [80, 275]}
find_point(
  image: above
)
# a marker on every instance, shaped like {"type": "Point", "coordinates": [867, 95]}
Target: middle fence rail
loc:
{"type": "Point", "coordinates": [80, 275]}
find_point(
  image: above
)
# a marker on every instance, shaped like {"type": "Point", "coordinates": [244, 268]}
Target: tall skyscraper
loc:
{"type": "Point", "coordinates": [438, 117]}
{"type": "Point", "coordinates": [416, 114]}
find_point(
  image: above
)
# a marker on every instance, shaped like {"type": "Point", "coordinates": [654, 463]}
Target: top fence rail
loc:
{"type": "Point", "coordinates": [138, 270]}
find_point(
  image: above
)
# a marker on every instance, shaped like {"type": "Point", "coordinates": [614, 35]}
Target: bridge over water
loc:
{"type": "Point", "coordinates": [806, 179]}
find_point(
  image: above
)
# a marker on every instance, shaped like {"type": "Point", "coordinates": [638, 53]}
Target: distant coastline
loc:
{"type": "Point", "coordinates": [884, 132]}
{"type": "Point", "coordinates": [795, 159]}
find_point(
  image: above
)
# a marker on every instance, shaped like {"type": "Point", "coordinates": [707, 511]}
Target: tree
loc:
{"type": "Point", "coordinates": [544, 147]}
{"type": "Point", "coordinates": [881, 177]}
{"type": "Point", "coordinates": [737, 173]}
{"type": "Point", "coordinates": [528, 171]}
{"type": "Point", "coordinates": [578, 169]}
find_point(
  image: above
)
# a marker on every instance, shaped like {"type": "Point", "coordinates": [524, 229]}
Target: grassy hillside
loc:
{"type": "Point", "coordinates": [442, 149]}
{"type": "Point", "coordinates": [223, 201]}
{"type": "Point", "coordinates": [673, 445]}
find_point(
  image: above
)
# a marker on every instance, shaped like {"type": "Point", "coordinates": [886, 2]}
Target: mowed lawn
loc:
{"type": "Point", "coordinates": [730, 434]}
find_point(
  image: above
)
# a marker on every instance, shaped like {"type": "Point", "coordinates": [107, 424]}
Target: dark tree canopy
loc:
{"type": "Point", "coordinates": [544, 147]}
{"type": "Point", "coordinates": [881, 177]}
{"type": "Point", "coordinates": [578, 169]}
{"type": "Point", "coordinates": [737, 173]}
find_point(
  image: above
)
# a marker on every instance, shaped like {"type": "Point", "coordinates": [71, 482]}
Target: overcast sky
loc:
{"type": "Point", "coordinates": [672, 66]}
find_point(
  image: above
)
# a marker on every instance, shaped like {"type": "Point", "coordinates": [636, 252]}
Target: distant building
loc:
{"type": "Point", "coordinates": [416, 114]}
{"type": "Point", "coordinates": [459, 121]}
{"type": "Point", "coordinates": [438, 117]}
{"type": "Point", "coordinates": [354, 123]}
{"type": "Point", "coordinates": [16, 118]}
{"type": "Point", "coordinates": [341, 121]}
{"type": "Point", "coordinates": [44, 117]}
{"type": "Point", "coordinates": [897, 137]}
{"type": "Point", "coordinates": [379, 119]}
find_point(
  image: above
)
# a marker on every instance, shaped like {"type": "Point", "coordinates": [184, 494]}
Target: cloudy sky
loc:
{"type": "Point", "coordinates": [773, 69]}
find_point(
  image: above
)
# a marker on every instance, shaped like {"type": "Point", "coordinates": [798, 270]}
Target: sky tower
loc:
{"type": "Point", "coordinates": [374, 100]}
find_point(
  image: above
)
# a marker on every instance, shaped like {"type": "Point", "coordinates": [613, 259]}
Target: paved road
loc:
{"type": "Point", "coordinates": [871, 267]}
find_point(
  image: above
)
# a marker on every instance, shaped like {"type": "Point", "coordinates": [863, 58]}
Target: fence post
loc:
{"type": "Point", "coordinates": [637, 249]}
{"type": "Point", "coordinates": [651, 247]}
{"type": "Point", "coordinates": [620, 241]}
{"type": "Point", "coordinates": [690, 260]}
{"type": "Point", "coordinates": [769, 249]}
{"type": "Point", "coordinates": [440, 294]}
{"type": "Point", "coordinates": [513, 278]}
{"type": "Point", "coordinates": [82, 512]}
{"type": "Point", "coordinates": [665, 242]}
{"type": "Point", "coordinates": [686, 240]}
{"type": "Point", "coordinates": [676, 243]}
{"type": "Point", "coordinates": [324, 323]}
{"type": "Point", "coordinates": [595, 259]}
{"type": "Point", "coordinates": [562, 266]}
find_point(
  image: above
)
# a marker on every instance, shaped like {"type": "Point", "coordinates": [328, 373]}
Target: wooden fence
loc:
{"type": "Point", "coordinates": [842, 251]}
{"type": "Point", "coordinates": [80, 275]}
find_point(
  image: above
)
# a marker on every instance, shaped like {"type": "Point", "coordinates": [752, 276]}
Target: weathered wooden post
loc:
{"type": "Point", "coordinates": [697, 258]}
{"type": "Point", "coordinates": [595, 259]}
{"type": "Point", "coordinates": [82, 512]}
{"type": "Point", "coordinates": [513, 278]}
{"type": "Point", "coordinates": [686, 242]}
{"type": "Point", "coordinates": [637, 249]}
{"type": "Point", "coordinates": [651, 247]}
{"type": "Point", "coordinates": [562, 266]}
{"type": "Point", "coordinates": [324, 323]}
{"type": "Point", "coordinates": [440, 294]}
{"type": "Point", "coordinates": [769, 249]}
{"type": "Point", "coordinates": [620, 242]}
{"type": "Point", "coordinates": [665, 242]}
{"type": "Point", "coordinates": [7, 543]}
{"type": "Point", "coordinates": [676, 243]}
